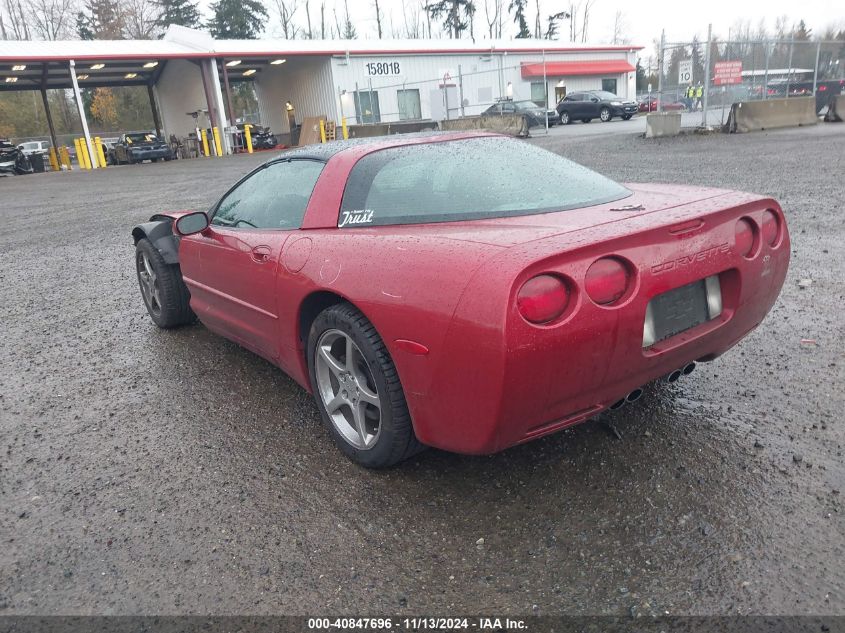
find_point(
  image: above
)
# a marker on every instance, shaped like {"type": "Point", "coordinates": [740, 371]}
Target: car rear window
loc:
{"type": "Point", "coordinates": [468, 179]}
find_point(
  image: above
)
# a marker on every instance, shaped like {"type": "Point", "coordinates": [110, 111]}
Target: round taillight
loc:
{"type": "Point", "coordinates": [543, 298]}
{"type": "Point", "coordinates": [744, 236]}
{"type": "Point", "coordinates": [771, 227]}
{"type": "Point", "coordinates": [606, 280]}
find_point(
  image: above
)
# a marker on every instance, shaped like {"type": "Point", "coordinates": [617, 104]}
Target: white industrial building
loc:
{"type": "Point", "coordinates": [365, 81]}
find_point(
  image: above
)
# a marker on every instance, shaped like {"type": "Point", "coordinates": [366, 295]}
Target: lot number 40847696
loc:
{"type": "Point", "coordinates": [382, 68]}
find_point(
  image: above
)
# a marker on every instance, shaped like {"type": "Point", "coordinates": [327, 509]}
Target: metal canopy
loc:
{"type": "Point", "coordinates": [28, 75]}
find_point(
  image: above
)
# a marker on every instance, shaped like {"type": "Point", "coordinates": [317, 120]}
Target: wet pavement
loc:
{"type": "Point", "coordinates": [145, 471]}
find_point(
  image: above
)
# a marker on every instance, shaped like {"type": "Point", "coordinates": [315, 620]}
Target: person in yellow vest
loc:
{"type": "Point", "coordinates": [689, 96]}
{"type": "Point", "coordinates": [699, 95]}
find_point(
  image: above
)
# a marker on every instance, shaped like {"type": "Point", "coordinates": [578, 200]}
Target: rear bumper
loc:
{"type": "Point", "coordinates": [506, 381]}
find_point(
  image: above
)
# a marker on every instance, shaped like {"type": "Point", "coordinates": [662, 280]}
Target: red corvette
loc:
{"type": "Point", "coordinates": [464, 291]}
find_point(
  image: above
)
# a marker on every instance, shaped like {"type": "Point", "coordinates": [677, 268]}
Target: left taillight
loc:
{"type": "Point", "coordinates": [607, 280]}
{"type": "Point", "coordinates": [543, 298]}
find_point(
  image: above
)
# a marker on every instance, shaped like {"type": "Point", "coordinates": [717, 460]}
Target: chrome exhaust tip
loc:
{"type": "Point", "coordinates": [617, 405]}
{"type": "Point", "coordinates": [635, 395]}
{"type": "Point", "coordinates": [688, 369]}
{"type": "Point", "coordinates": [673, 377]}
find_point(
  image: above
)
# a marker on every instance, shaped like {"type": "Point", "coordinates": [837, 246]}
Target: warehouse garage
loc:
{"type": "Point", "coordinates": [190, 76]}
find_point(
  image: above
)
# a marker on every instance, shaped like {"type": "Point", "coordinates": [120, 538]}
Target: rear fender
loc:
{"type": "Point", "coordinates": [159, 231]}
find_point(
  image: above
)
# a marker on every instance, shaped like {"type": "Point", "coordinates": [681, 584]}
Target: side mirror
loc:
{"type": "Point", "coordinates": [191, 223]}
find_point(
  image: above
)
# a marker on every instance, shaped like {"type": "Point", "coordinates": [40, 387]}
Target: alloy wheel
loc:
{"type": "Point", "coordinates": [149, 282]}
{"type": "Point", "coordinates": [347, 389]}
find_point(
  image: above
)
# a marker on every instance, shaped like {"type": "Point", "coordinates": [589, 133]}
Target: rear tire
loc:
{"type": "Point", "coordinates": [605, 115]}
{"type": "Point", "coordinates": [165, 294]}
{"type": "Point", "coordinates": [353, 376]}
{"type": "Point", "coordinates": [564, 118]}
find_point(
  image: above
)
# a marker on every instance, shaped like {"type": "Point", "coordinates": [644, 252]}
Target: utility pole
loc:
{"type": "Point", "coordinates": [706, 75]}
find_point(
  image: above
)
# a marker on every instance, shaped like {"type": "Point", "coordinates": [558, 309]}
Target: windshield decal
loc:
{"type": "Point", "coordinates": [362, 216]}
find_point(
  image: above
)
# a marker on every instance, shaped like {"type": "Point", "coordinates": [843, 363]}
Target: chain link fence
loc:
{"type": "Point", "coordinates": [710, 75]}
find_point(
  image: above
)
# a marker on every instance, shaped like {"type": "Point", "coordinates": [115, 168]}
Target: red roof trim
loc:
{"type": "Point", "coordinates": [279, 53]}
{"type": "Point", "coordinates": [603, 67]}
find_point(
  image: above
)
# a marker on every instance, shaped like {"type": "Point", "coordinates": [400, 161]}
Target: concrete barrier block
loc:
{"type": "Point", "coordinates": [659, 124]}
{"type": "Point", "coordinates": [752, 116]}
{"type": "Point", "coordinates": [511, 124]}
{"type": "Point", "coordinates": [384, 129]}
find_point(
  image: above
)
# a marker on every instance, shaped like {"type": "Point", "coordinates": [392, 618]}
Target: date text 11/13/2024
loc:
{"type": "Point", "coordinates": [417, 624]}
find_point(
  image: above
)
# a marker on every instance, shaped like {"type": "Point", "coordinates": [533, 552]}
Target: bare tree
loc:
{"type": "Point", "coordinates": [412, 26]}
{"type": "Point", "coordinates": [310, 34]}
{"type": "Point", "coordinates": [538, 33]}
{"type": "Point", "coordinates": [493, 14]}
{"type": "Point", "coordinates": [378, 18]}
{"type": "Point", "coordinates": [53, 19]}
{"type": "Point", "coordinates": [286, 9]}
{"type": "Point", "coordinates": [140, 19]}
{"type": "Point", "coordinates": [14, 25]}
{"type": "Point", "coordinates": [619, 27]}
{"type": "Point", "coordinates": [585, 25]}
{"type": "Point", "coordinates": [322, 20]}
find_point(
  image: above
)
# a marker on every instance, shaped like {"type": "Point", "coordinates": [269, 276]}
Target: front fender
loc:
{"type": "Point", "coordinates": [159, 231]}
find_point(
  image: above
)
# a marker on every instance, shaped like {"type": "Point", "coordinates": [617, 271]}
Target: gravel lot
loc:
{"type": "Point", "coordinates": [145, 471]}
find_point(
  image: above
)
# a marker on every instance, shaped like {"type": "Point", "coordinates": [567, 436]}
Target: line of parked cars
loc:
{"type": "Point", "coordinates": [576, 106]}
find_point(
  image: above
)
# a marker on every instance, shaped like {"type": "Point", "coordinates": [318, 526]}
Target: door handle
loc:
{"type": "Point", "coordinates": [261, 254]}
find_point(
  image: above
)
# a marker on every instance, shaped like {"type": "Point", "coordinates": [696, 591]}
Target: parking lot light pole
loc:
{"type": "Point", "coordinates": [80, 106]}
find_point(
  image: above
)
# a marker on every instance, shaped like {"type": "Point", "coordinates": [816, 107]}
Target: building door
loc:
{"type": "Point", "coordinates": [366, 106]}
{"type": "Point", "coordinates": [409, 104]}
{"type": "Point", "coordinates": [560, 92]}
{"type": "Point", "coordinates": [609, 85]}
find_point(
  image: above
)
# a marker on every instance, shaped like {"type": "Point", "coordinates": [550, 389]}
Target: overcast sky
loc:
{"type": "Point", "coordinates": [642, 20]}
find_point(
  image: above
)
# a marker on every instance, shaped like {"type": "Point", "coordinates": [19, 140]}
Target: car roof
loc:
{"type": "Point", "coordinates": [325, 151]}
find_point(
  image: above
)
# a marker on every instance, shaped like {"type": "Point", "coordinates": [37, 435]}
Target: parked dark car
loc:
{"type": "Point", "coordinates": [12, 160]}
{"type": "Point", "coordinates": [135, 147]}
{"type": "Point", "coordinates": [594, 104]}
{"type": "Point", "coordinates": [535, 114]}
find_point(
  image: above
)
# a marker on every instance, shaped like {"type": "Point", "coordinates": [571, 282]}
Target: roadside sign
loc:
{"type": "Point", "coordinates": [447, 77]}
{"type": "Point", "coordinates": [685, 72]}
{"type": "Point", "coordinates": [725, 73]}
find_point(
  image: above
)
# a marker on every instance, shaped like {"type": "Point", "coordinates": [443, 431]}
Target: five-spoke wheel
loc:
{"type": "Point", "coordinates": [347, 389]}
{"type": "Point", "coordinates": [357, 389]}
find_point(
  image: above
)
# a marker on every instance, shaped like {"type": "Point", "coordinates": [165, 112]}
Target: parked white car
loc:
{"type": "Point", "coordinates": [34, 147]}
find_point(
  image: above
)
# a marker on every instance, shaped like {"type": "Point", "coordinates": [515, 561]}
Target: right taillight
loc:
{"type": "Point", "coordinates": [771, 227]}
{"type": "Point", "coordinates": [606, 280]}
{"type": "Point", "coordinates": [542, 298]}
{"type": "Point", "coordinates": [744, 237]}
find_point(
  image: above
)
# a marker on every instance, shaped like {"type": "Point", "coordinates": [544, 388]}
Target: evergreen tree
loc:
{"type": "Point", "coordinates": [518, 8]}
{"type": "Point", "coordinates": [456, 14]}
{"type": "Point", "coordinates": [181, 12]}
{"type": "Point", "coordinates": [237, 19]}
{"type": "Point", "coordinates": [697, 60]}
{"type": "Point", "coordinates": [100, 20]}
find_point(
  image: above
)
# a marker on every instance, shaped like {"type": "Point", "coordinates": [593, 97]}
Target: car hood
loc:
{"type": "Point", "coordinates": [646, 199]}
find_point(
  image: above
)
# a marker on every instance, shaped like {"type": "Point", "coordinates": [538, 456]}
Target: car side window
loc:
{"type": "Point", "coordinates": [274, 197]}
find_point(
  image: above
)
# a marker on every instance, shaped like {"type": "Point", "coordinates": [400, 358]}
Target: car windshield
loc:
{"type": "Point", "coordinates": [607, 96]}
{"type": "Point", "coordinates": [467, 180]}
{"type": "Point", "coordinates": [141, 137]}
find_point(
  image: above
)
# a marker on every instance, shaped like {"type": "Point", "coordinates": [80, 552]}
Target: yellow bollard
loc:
{"type": "Point", "coordinates": [345, 131]}
{"type": "Point", "coordinates": [85, 155]}
{"type": "Point", "coordinates": [78, 148]}
{"type": "Point", "coordinates": [248, 138]}
{"type": "Point", "coordinates": [322, 131]}
{"type": "Point", "coordinates": [54, 161]}
{"type": "Point", "coordinates": [98, 149]}
{"type": "Point", "coordinates": [216, 134]}
{"type": "Point", "coordinates": [204, 136]}
{"type": "Point", "coordinates": [64, 154]}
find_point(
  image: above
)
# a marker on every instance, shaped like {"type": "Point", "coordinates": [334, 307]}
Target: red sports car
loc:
{"type": "Point", "coordinates": [464, 291]}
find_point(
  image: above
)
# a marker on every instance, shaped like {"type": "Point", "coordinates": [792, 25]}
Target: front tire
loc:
{"type": "Point", "coordinates": [165, 295]}
{"type": "Point", "coordinates": [357, 389]}
{"type": "Point", "coordinates": [564, 118]}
